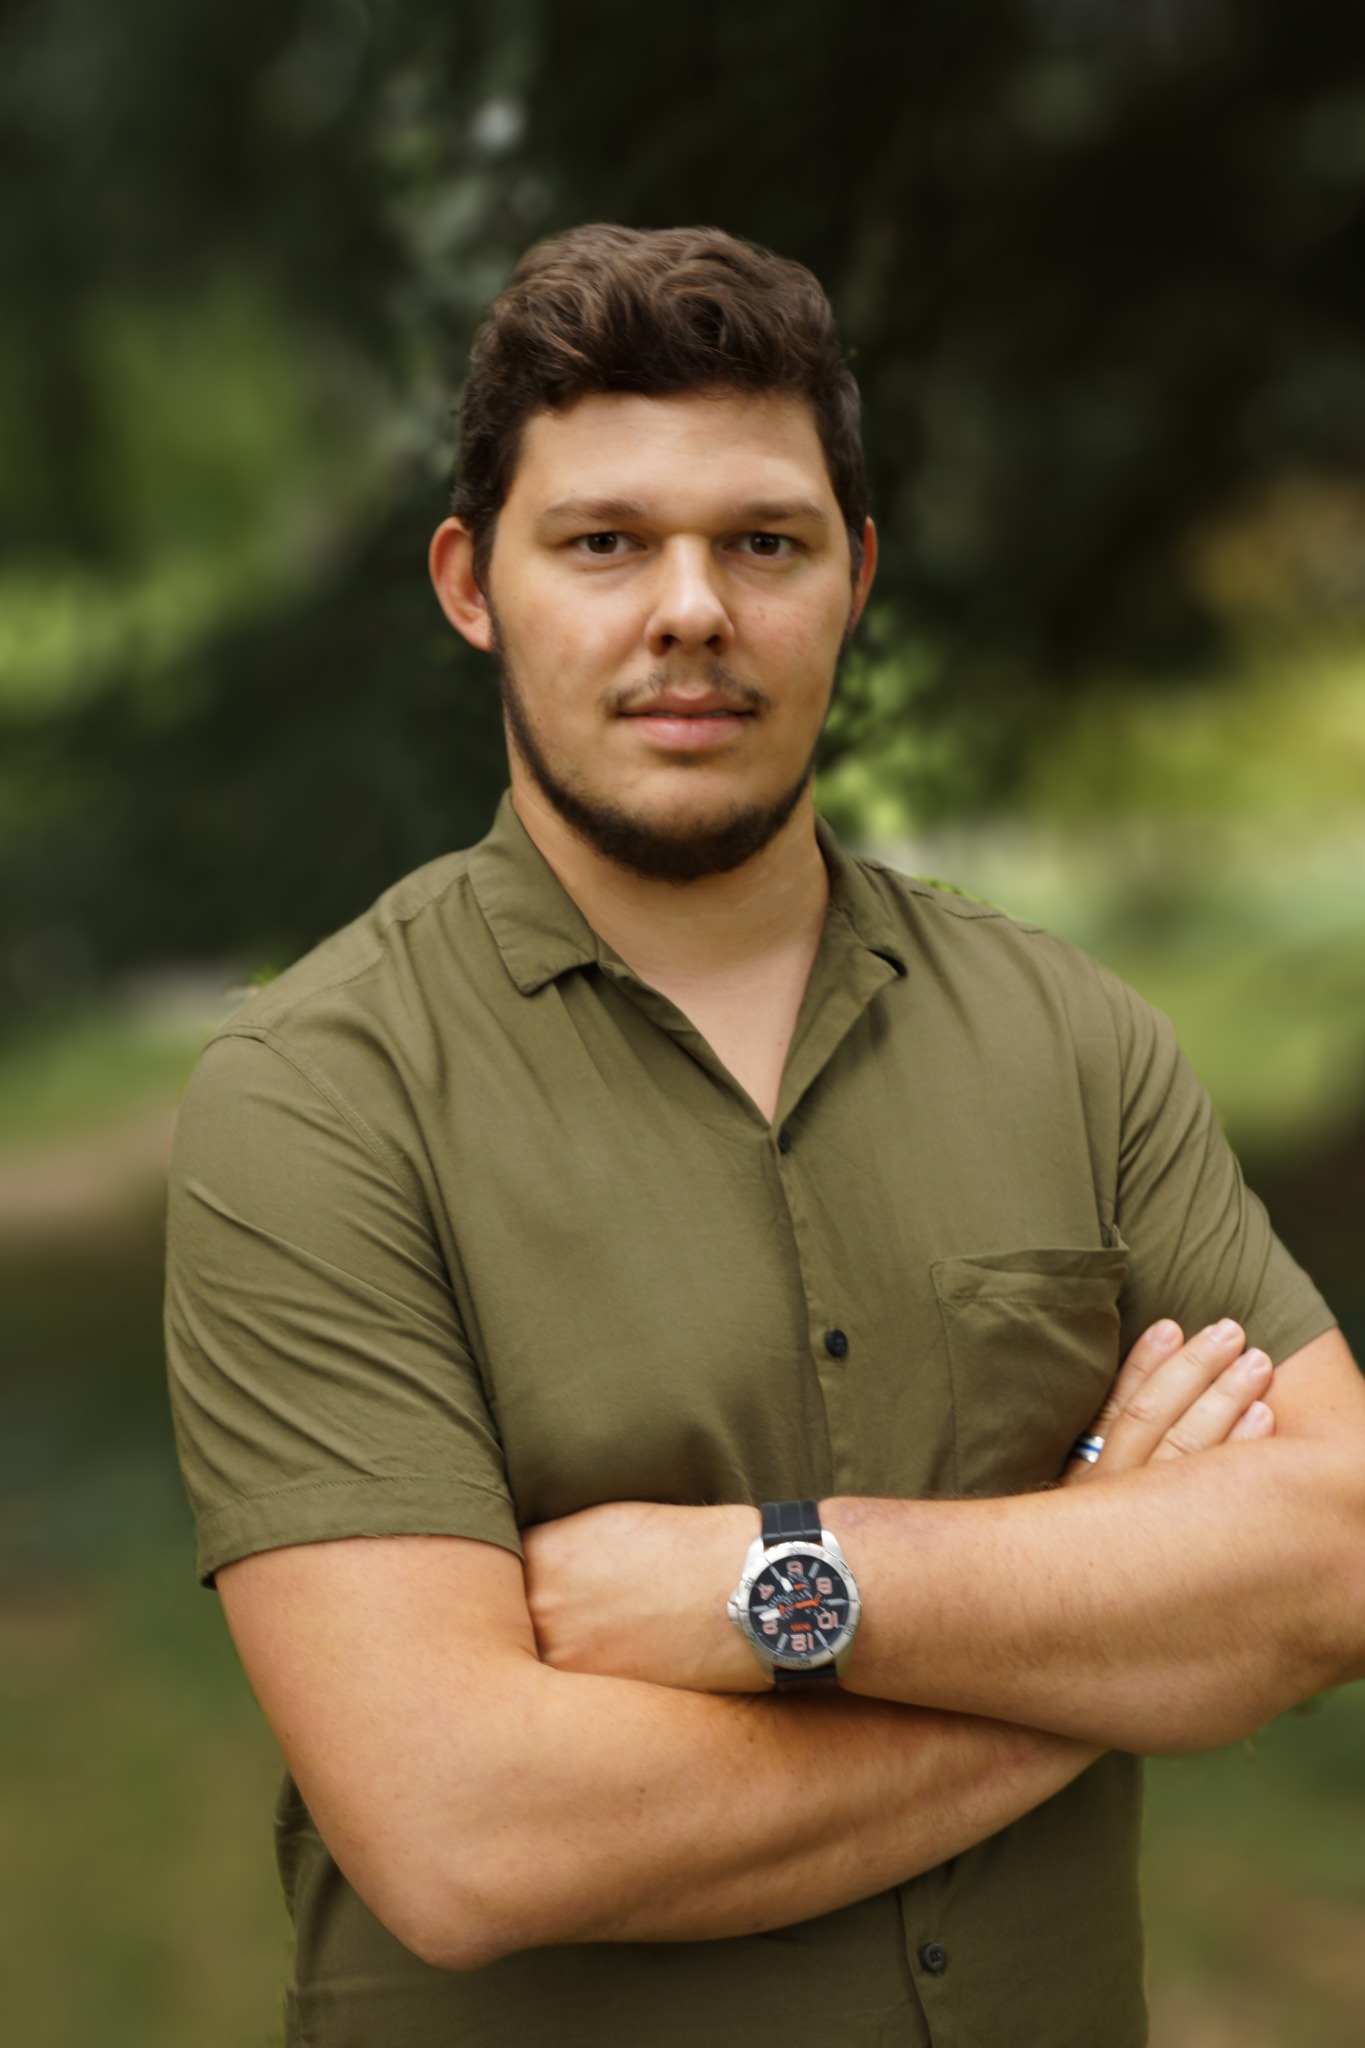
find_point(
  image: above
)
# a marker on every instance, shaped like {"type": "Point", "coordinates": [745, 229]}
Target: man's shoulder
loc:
{"type": "Point", "coordinates": [997, 962]}
{"type": "Point", "coordinates": [931, 910]}
{"type": "Point", "coordinates": [362, 1022]}
{"type": "Point", "coordinates": [917, 895]}
{"type": "Point", "coordinates": [412, 918]}
{"type": "Point", "coordinates": [382, 967]}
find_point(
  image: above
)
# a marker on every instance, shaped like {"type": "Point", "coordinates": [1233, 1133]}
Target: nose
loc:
{"type": "Point", "coordinates": [688, 608]}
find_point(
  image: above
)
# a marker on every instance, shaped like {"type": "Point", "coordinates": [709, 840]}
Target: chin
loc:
{"type": "Point", "coordinates": [678, 844]}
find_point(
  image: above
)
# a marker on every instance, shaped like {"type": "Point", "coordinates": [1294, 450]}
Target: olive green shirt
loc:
{"type": "Point", "coordinates": [470, 1228]}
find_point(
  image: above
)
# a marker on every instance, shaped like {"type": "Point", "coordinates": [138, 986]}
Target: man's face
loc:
{"type": "Point", "coordinates": [669, 593]}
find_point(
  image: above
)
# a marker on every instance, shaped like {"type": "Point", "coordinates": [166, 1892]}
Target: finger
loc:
{"type": "Point", "coordinates": [1212, 1418]}
{"type": "Point", "coordinates": [1152, 1349]}
{"type": "Point", "coordinates": [1166, 1394]}
{"type": "Point", "coordinates": [1156, 1344]}
{"type": "Point", "coordinates": [1259, 1421]}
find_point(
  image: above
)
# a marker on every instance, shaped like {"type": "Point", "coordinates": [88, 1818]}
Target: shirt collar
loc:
{"type": "Point", "coordinates": [855, 897]}
{"type": "Point", "coordinates": [541, 933]}
{"type": "Point", "coordinates": [539, 929]}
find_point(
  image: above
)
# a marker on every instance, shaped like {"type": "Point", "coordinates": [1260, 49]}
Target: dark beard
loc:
{"type": "Point", "coordinates": [649, 850]}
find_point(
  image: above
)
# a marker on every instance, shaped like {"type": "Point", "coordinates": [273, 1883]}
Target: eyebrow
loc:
{"type": "Point", "coordinates": [603, 515]}
{"type": "Point", "coordinates": [782, 512]}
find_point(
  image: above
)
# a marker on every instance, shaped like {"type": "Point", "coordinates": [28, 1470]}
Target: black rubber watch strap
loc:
{"type": "Point", "coordinates": [791, 1521]}
{"type": "Point", "coordinates": [819, 1674]}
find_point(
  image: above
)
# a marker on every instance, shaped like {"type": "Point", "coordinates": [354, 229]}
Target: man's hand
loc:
{"type": "Point", "coordinates": [635, 1590]}
{"type": "Point", "coordinates": [1171, 1398]}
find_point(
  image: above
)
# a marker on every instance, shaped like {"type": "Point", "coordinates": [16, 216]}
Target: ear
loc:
{"type": "Point", "coordinates": [867, 570]}
{"type": "Point", "coordinates": [450, 559]}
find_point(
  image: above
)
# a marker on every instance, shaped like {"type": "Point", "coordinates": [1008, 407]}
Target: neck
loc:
{"type": "Point", "coordinates": [698, 930]}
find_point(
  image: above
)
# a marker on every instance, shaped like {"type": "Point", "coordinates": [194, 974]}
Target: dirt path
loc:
{"type": "Point", "coordinates": [95, 1183]}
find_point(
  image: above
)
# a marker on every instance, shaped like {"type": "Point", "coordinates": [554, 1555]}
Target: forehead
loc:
{"type": "Point", "coordinates": [679, 453]}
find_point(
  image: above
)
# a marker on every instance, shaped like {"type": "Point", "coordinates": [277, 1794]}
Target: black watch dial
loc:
{"type": "Point", "coordinates": [799, 1605]}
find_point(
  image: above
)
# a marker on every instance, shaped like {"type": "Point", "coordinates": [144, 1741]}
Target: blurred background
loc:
{"type": "Point", "coordinates": [1101, 264]}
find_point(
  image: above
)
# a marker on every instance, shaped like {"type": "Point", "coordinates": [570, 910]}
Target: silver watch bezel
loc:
{"type": "Point", "coordinates": [757, 1560]}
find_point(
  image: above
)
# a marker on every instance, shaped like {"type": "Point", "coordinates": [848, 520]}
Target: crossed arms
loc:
{"type": "Point", "coordinates": [490, 1782]}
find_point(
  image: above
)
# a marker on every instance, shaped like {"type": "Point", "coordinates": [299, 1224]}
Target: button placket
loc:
{"type": "Point", "coordinates": [830, 1343]}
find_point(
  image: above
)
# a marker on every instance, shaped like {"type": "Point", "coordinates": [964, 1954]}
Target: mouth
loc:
{"type": "Point", "coordinates": [688, 726]}
{"type": "Point", "coordinates": [689, 704]}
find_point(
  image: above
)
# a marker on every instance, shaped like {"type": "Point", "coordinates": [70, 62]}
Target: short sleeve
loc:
{"type": "Point", "coordinates": [1200, 1242]}
{"type": "Point", "coordinates": [321, 1382]}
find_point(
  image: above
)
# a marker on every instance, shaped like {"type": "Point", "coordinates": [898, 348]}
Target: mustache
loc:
{"type": "Point", "coordinates": [628, 697]}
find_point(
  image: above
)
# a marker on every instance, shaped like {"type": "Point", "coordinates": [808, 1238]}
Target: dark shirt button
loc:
{"type": "Point", "coordinates": [934, 1958]}
{"type": "Point", "coordinates": [836, 1343]}
{"type": "Point", "coordinates": [784, 1140]}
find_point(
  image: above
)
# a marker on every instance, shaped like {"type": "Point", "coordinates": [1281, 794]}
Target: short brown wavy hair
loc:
{"type": "Point", "coordinates": [655, 312]}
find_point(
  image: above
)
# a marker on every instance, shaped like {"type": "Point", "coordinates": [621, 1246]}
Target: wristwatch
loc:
{"type": "Point", "coordinates": [797, 1603]}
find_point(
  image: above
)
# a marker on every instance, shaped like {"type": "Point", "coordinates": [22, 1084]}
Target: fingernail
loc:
{"type": "Point", "coordinates": [1224, 1332]}
{"type": "Point", "coordinates": [1253, 1365]}
{"type": "Point", "coordinates": [1166, 1333]}
{"type": "Point", "coordinates": [1259, 1412]}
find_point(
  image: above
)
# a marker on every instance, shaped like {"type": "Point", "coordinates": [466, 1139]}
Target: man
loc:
{"type": "Point", "coordinates": [655, 1160]}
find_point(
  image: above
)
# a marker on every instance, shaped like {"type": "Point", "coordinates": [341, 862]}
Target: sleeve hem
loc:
{"type": "Point", "coordinates": [1284, 1338]}
{"type": "Point", "coordinates": [321, 1511]}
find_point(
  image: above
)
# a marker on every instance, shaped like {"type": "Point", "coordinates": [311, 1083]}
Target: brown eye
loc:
{"type": "Point", "coordinates": [768, 545]}
{"type": "Point", "coordinates": [601, 543]}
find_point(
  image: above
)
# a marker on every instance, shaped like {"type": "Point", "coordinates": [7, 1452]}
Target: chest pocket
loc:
{"type": "Point", "coordinates": [1033, 1345]}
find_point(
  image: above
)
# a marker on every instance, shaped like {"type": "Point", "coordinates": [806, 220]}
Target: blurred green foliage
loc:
{"type": "Point", "coordinates": [1098, 263]}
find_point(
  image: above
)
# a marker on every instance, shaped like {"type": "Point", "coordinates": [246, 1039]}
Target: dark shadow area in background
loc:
{"type": "Point", "coordinates": [1099, 263]}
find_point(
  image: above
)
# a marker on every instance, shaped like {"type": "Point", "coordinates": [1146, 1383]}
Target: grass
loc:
{"type": "Point", "coordinates": [136, 1774]}
{"type": "Point", "coordinates": [1255, 1887]}
{"type": "Point", "coordinates": [136, 1787]}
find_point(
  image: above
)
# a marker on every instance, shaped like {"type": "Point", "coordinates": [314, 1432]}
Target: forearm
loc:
{"type": "Point", "coordinates": [615, 1811]}
{"type": "Point", "coordinates": [1206, 1576]}
{"type": "Point", "coordinates": [1175, 1608]}
{"type": "Point", "coordinates": [481, 1801]}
